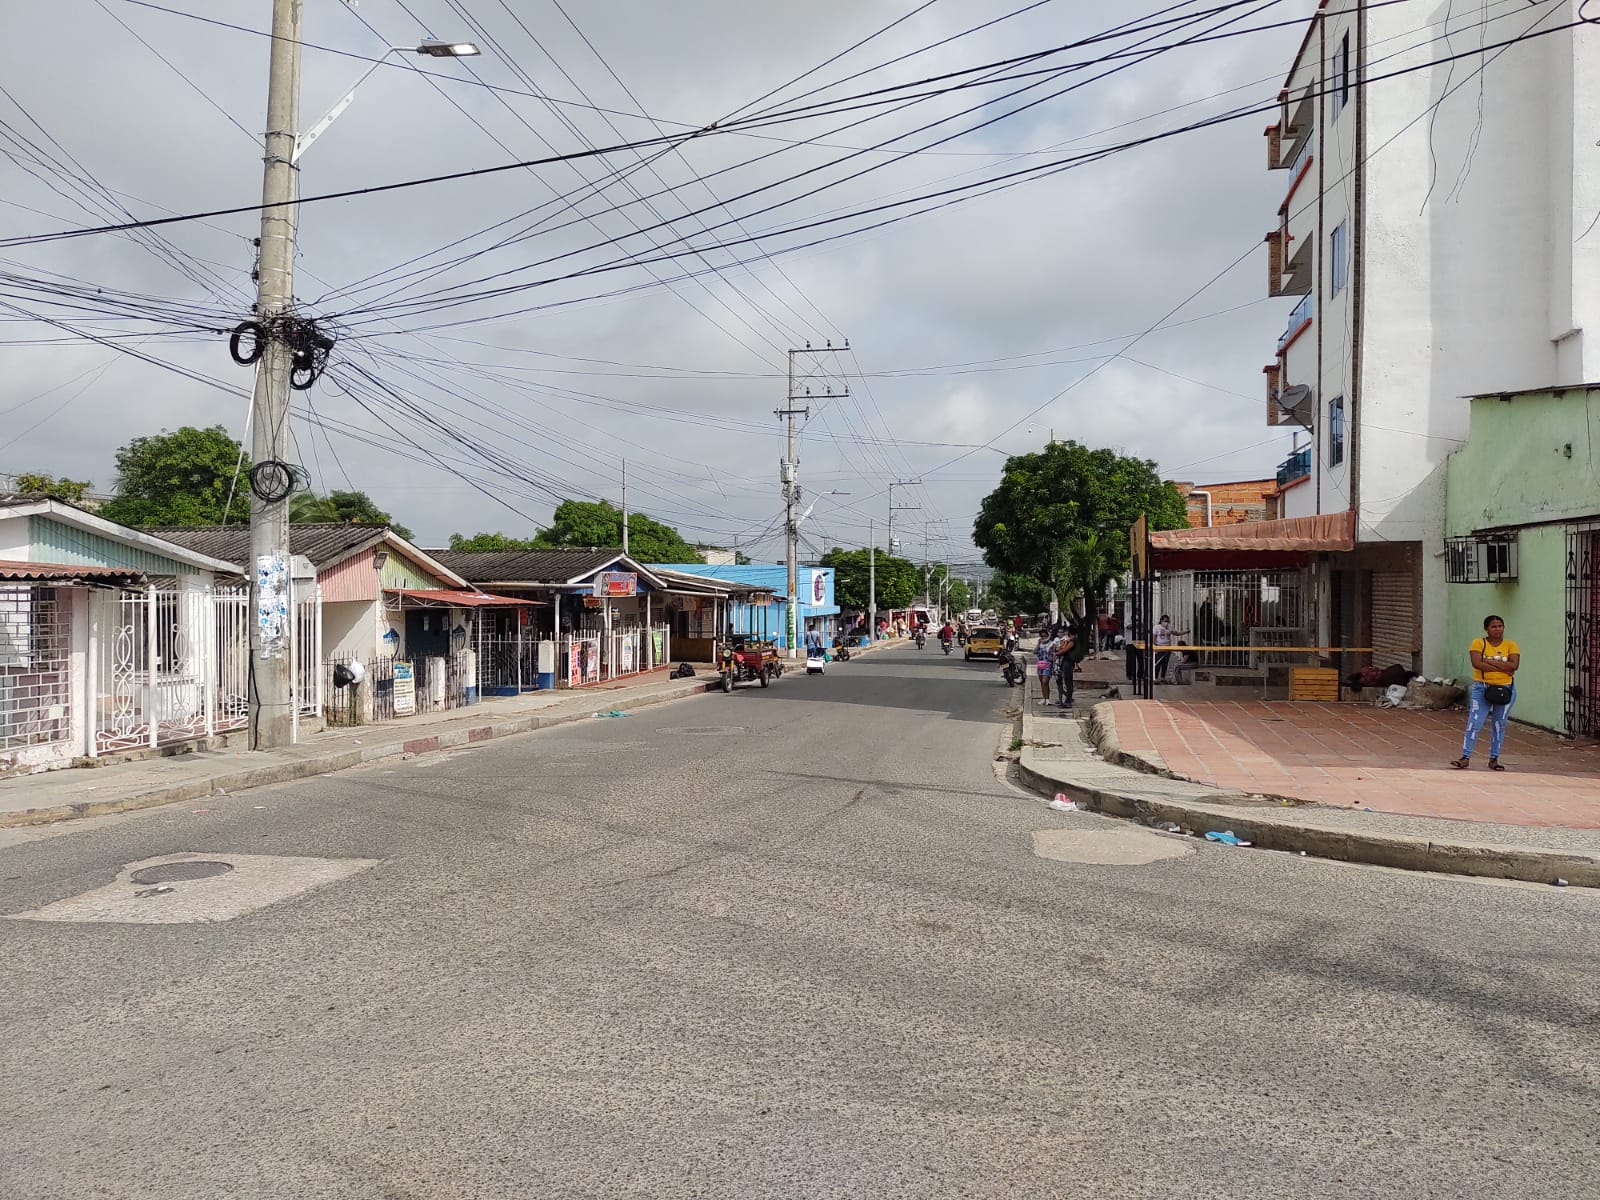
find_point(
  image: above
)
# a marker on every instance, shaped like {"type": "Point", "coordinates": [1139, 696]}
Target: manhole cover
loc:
{"type": "Point", "coordinates": [706, 730]}
{"type": "Point", "coordinates": [178, 872]}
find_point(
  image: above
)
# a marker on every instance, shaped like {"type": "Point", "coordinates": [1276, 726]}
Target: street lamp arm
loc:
{"type": "Point", "coordinates": [302, 141]}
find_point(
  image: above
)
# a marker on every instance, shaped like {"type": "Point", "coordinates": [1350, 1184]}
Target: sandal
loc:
{"type": "Point", "coordinates": [1494, 765]}
{"type": "Point", "coordinates": [1461, 764]}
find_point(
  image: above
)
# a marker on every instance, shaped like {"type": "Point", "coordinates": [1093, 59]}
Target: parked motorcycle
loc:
{"type": "Point", "coordinates": [1013, 672]}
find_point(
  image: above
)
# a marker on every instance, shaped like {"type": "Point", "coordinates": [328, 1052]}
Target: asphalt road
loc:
{"type": "Point", "coordinates": [784, 943]}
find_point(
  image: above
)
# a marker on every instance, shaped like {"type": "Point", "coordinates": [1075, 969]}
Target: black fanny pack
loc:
{"type": "Point", "coordinates": [1496, 694]}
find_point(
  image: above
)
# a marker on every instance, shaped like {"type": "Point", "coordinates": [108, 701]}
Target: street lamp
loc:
{"type": "Point", "coordinates": [427, 49]}
{"type": "Point", "coordinates": [282, 337]}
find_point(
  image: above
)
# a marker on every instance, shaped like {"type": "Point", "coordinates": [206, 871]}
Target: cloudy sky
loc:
{"type": "Point", "coordinates": [508, 339]}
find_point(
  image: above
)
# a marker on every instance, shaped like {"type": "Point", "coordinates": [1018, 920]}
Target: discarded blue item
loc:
{"type": "Point", "coordinates": [1226, 838]}
{"type": "Point", "coordinates": [615, 712]}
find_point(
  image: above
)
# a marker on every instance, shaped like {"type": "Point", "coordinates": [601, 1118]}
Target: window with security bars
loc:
{"type": "Point", "coordinates": [35, 666]}
{"type": "Point", "coordinates": [1482, 559]}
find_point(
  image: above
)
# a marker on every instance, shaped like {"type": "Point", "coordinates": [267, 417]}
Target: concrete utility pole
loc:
{"type": "Point", "coordinates": [272, 629]}
{"type": "Point", "coordinates": [624, 506]}
{"type": "Point", "coordinates": [872, 581]}
{"type": "Point", "coordinates": [788, 476]}
{"type": "Point", "coordinates": [894, 508]}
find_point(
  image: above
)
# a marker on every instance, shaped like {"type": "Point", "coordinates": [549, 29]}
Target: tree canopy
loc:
{"type": "Point", "coordinates": [341, 508]}
{"type": "Point", "coordinates": [34, 483]}
{"type": "Point", "coordinates": [490, 541]}
{"type": "Point", "coordinates": [180, 478]}
{"type": "Point", "coordinates": [592, 523]}
{"type": "Point", "coordinates": [1060, 518]}
{"type": "Point", "coordinates": [899, 579]}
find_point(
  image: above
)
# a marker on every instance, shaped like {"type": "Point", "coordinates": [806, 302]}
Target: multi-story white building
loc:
{"type": "Point", "coordinates": [1439, 235]}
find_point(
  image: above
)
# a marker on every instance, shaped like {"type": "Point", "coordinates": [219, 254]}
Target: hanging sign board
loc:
{"type": "Point", "coordinates": [1138, 547]}
{"type": "Point", "coordinates": [616, 583]}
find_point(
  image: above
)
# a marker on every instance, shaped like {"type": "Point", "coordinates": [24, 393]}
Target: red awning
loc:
{"type": "Point", "coordinates": [12, 571]}
{"type": "Point", "coordinates": [1293, 535]}
{"type": "Point", "coordinates": [457, 598]}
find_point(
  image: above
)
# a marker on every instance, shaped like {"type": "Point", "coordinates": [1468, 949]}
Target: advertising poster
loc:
{"type": "Point", "coordinates": [819, 588]}
{"type": "Point", "coordinates": [627, 656]}
{"type": "Point", "coordinates": [272, 605]}
{"type": "Point", "coordinates": [591, 660]}
{"type": "Point", "coordinates": [575, 664]}
{"type": "Point", "coordinates": [405, 690]}
{"type": "Point", "coordinates": [658, 639]}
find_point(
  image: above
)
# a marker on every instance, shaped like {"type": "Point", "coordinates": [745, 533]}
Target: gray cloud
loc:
{"type": "Point", "coordinates": [1091, 254]}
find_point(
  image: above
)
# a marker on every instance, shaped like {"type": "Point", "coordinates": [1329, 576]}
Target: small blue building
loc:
{"type": "Point", "coordinates": [816, 606]}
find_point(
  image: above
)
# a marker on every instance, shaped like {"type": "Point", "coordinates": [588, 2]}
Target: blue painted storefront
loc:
{"type": "Point", "coordinates": [771, 620]}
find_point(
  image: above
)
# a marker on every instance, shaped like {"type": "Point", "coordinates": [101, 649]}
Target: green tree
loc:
{"type": "Point", "coordinates": [1009, 594]}
{"type": "Point", "coordinates": [960, 596]}
{"type": "Point", "coordinates": [490, 541]}
{"type": "Point", "coordinates": [180, 478]}
{"type": "Point", "coordinates": [598, 523]}
{"type": "Point", "coordinates": [341, 508]}
{"type": "Point", "coordinates": [899, 579]}
{"type": "Point", "coordinates": [1060, 518]}
{"type": "Point", "coordinates": [37, 484]}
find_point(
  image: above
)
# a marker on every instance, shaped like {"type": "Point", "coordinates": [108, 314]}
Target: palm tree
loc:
{"type": "Point", "coordinates": [308, 508]}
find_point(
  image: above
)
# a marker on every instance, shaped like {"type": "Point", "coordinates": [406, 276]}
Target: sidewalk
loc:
{"type": "Point", "coordinates": [1058, 757]}
{"type": "Point", "coordinates": [123, 786]}
{"type": "Point", "coordinates": [1390, 760]}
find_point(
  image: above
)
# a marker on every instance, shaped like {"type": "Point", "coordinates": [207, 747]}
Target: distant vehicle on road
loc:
{"type": "Point", "coordinates": [985, 642]}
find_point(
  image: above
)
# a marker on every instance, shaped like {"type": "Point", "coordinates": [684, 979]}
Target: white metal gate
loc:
{"type": "Point", "coordinates": [167, 665]}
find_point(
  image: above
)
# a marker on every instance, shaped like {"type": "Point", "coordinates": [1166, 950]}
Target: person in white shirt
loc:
{"type": "Point", "coordinates": [1163, 637]}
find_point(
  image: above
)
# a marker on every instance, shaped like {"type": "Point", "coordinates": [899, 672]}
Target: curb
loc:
{"type": "Point", "coordinates": [323, 764]}
{"type": "Point", "coordinates": [1530, 864]}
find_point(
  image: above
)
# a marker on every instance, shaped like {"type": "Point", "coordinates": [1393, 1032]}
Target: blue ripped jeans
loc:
{"type": "Point", "coordinates": [1477, 711]}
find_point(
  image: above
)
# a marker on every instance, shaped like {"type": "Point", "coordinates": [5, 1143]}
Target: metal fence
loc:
{"type": "Point", "coordinates": [166, 665]}
{"type": "Point", "coordinates": [1240, 610]}
{"type": "Point", "coordinates": [1582, 641]}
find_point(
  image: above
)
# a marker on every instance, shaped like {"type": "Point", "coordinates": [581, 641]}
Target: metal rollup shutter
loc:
{"type": "Point", "coordinates": [1394, 619]}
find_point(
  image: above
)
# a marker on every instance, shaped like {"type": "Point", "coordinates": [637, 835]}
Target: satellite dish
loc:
{"type": "Point", "coordinates": [1294, 402]}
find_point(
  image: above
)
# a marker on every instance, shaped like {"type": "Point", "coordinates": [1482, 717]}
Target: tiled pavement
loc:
{"type": "Point", "coordinates": [1357, 755]}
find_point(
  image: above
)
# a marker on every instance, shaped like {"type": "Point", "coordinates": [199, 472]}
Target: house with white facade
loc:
{"type": "Point", "coordinates": [112, 639]}
{"type": "Point", "coordinates": [1436, 238]}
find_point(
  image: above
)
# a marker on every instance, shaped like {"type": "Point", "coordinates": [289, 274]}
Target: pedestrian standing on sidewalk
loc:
{"type": "Point", "coordinates": [1043, 659]}
{"type": "Point", "coordinates": [1163, 637]}
{"type": "Point", "coordinates": [1495, 659]}
{"type": "Point", "coordinates": [1065, 647]}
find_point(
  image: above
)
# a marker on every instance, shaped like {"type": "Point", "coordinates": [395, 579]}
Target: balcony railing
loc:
{"type": "Point", "coordinates": [1300, 160]}
{"type": "Point", "coordinates": [1296, 466]}
{"type": "Point", "coordinates": [1300, 316]}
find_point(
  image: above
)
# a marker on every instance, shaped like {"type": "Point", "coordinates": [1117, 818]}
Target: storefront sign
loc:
{"type": "Point", "coordinates": [616, 583]}
{"type": "Point", "coordinates": [592, 602]}
{"type": "Point", "coordinates": [819, 588]}
{"type": "Point", "coordinates": [405, 690]}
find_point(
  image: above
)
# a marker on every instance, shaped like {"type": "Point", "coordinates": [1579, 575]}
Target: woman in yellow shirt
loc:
{"type": "Point", "coordinates": [1495, 659]}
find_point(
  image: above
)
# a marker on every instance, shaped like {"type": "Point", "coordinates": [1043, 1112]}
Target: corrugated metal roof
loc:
{"type": "Point", "coordinates": [323, 544]}
{"type": "Point", "coordinates": [1328, 531]}
{"type": "Point", "coordinates": [532, 568]}
{"type": "Point", "coordinates": [12, 571]}
{"type": "Point", "coordinates": [457, 598]}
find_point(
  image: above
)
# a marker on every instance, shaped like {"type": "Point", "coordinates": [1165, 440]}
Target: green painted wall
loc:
{"type": "Point", "coordinates": [1534, 607]}
{"type": "Point", "coordinates": [400, 572]}
{"type": "Point", "coordinates": [1516, 470]}
{"type": "Point", "coordinates": [56, 542]}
